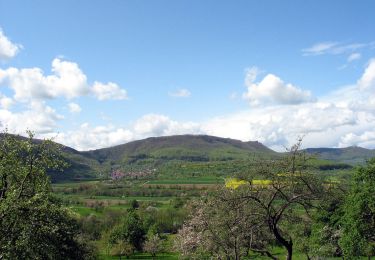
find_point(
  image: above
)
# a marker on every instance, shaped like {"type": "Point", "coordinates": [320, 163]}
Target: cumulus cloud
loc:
{"type": "Point", "coordinates": [5, 102]}
{"type": "Point", "coordinates": [88, 137]}
{"type": "Point", "coordinates": [342, 118]}
{"type": "Point", "coordinates": [8, 49]}
{"type": "Point", "coordinates": [272, 90]}
{"type": "Point", "coordinates": [279, 126]}
{"type": "Point", "coordinates": [74, 108]}
{"type": "Point", "coordinates": [39, 117]}
{"type": "Point", "coordinates": [180, 93]}
{"type": "Point", "coordinates": [365, 139]}
{"type": "Point", "coordinates": [108, 91]}
{"type": "Point", "coordinates": [159, 125]}
{"type": "Point", "coordinates": [67, 81]}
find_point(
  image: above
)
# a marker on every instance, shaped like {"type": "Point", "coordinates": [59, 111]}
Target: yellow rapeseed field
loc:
{"type": "Point", "coordinates": [234, 183]}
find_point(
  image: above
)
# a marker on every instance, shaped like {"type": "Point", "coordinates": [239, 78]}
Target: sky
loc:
{"type": "Point", "coordinates": [93, 74]}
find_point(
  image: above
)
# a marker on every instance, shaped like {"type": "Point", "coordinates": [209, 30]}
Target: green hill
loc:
{"type": "Point", "coordinates": [181, 147]}
{"type": "Point", "coordinates": [196, 150]}
{"type": "Point", "coordinates": [350, 155]}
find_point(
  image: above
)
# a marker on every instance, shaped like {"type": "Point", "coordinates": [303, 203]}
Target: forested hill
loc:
{"type": "Point", "coordinates": [190, 148]}
{"type": "Point", "coordinates": [182, 147]}
{"type": "Point", "coordinates": [159, 150]}
{"type": "Point", "coordinates": [351, 155]}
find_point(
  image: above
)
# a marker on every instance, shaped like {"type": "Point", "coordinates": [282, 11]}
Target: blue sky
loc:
{"type": "Point", "coordinates": [99, 73]}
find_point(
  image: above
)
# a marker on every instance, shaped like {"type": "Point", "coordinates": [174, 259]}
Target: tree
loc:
{"type": "Point", "coordinates": [33, 224]}
{"type": "Point", "coordinates": [122, 248]}
{"type": "Point", "coordinates": [359, 214]}
{"type": "Point", "coordinates": [222, 226]}
{"type": "Point", "coordinates": [326, 228]}
{"type": "Point", "coordinates": [153, 245]}
{"type": "Point", "coordinates": [129, 231]}
{"type": "Point", "coordinates": [288, 188]}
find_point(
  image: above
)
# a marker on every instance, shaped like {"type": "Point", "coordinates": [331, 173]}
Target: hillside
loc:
{"type": "Point", "coordinates": [195, 149]}
{"type": "Point", "coordinates": [181, 147]}
{"type": "Point", "coordinates": [157, 151]}
{"type": "Point", "coordinates": [351, 155]}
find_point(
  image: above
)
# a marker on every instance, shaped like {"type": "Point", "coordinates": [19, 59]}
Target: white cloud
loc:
{"type": "Point", "coordinates": [319, 48]}
{"type": "Point", "coordinates": [38, 117]}
{"type": "Point", "coordinates": [88, 137]}
{"type": "Point", "coordinates": [354, 56]}
{"type": "Point", "coordinates": [159, 125]}
{"type": "Point", "coordinates": [7, 49]}
{"type": "Point", "coordinates": [272, 90]}
{"type": "Point", "coordinates": [365, 139]}
{"type": "Point", "coordinates": [334, 48]}
{"type": "Point", "coordinates": [108, 91]}
{"type": "Point", "coordinates": [74, 108]}
{"type": "Point", "coordinates": [279, 126]}
{"type": "Point", "coordinates": [180, 93]}
{"type": "Point", "coordinates": [367, 80]}
{"type": "Point", "coordinates": [251, 75]}
{"type": "Point", "coordinates": [5, 102]}
{"type": "Point", "coordinates": [66, 81]}
{"type": "Point", "coordinates": [344, 117]}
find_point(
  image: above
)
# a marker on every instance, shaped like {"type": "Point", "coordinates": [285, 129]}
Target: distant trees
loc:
{"type": "Point", "coordinates": [33, 224]}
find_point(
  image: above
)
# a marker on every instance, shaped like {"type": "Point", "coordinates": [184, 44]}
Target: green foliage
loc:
{"type": "Point", "coordinates": [134, 204]}
{"type": "Point", "coordinates": [326, 229]}
{"type": "Point", "coordinates": [129, 231]}
{"type": "Point", "coordinates": [359, 218]}
{"type": "Point", "coordinates": [33, 224]}
{"type": "Point", "coordinates": [122, 248]}
{"type": "Point", "coordinates": [153, 245]}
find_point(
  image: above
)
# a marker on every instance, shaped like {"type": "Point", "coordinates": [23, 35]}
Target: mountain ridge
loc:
{"type": "Point", "coordinates": [192, 148]}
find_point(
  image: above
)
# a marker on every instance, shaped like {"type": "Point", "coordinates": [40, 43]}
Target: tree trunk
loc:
{"type": "Point", "coordinates": [289, 248]}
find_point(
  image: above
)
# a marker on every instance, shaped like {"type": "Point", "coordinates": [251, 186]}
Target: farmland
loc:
{"type": "Point", "coordinates": [163, 194]}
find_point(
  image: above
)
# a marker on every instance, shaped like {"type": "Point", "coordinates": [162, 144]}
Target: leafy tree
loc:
{"type": "Point", "coordinates": [359, 217]}
{"type": "Point", "coordinates": [253, 215]}
{"type": "Point", "coordinates": [326, 229]}
{"type": "Point", "coordinates": [288, 190]}
{"type": "Point", "coordinates": [122, 248]}
{"type": "Point", "coordinates": [129, 231]}
{"type": "Point", "coordinates": [153, 245]}
{"type": "Point", "coordinates": [33, 224]}
{"type": "Point", "coordinates": [223, 226]}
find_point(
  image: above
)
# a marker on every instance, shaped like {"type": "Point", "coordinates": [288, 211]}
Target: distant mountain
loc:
{"type": "Point", "coordinates": [155, 151]}
{"type": "Point", "coordinates": [182, 147]}
{"type": "Point", "coordinates": [351, 155]}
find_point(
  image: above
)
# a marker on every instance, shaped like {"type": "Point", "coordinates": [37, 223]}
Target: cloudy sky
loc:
{"type": "Point", "coordinates": [93, 74]}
